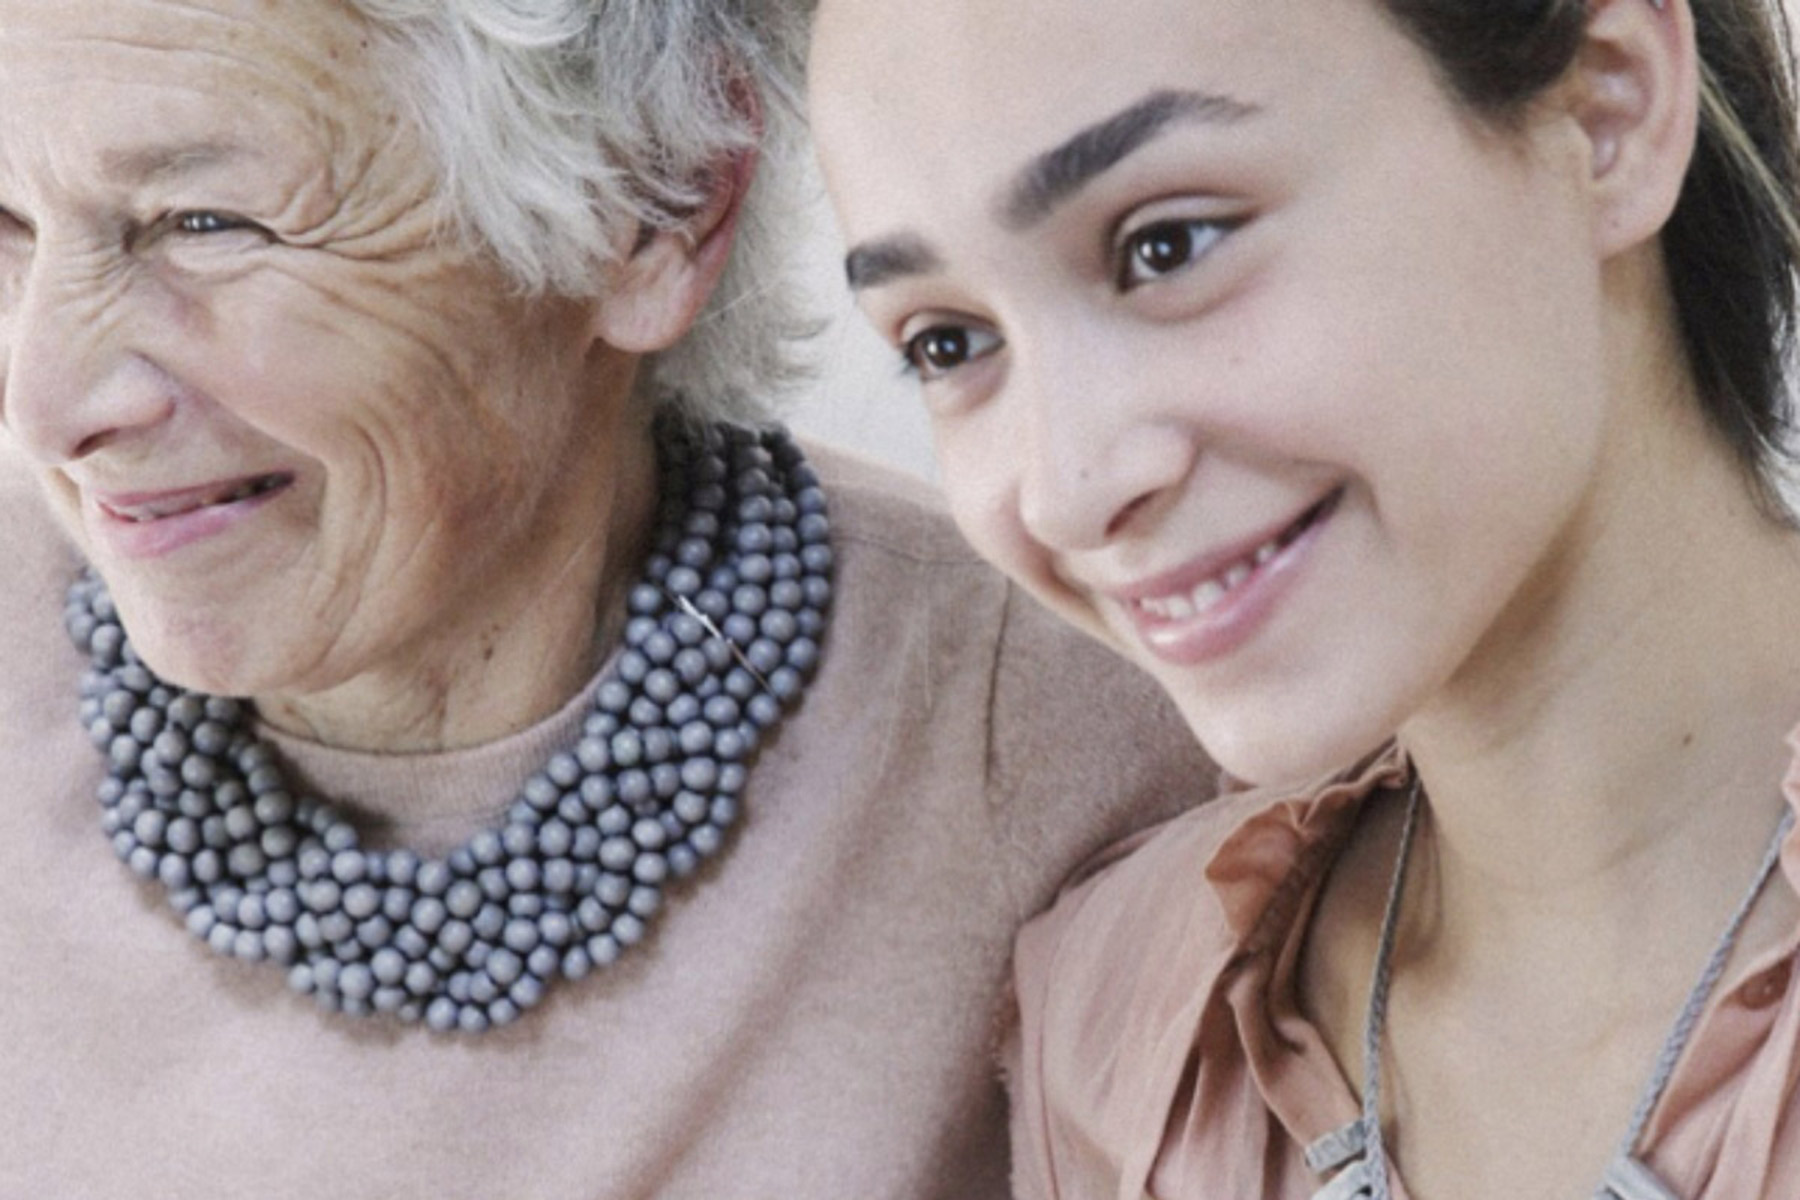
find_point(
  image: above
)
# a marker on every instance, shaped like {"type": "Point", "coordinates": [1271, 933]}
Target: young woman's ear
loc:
{"type": "Point", "coordinates": [1634, 91]}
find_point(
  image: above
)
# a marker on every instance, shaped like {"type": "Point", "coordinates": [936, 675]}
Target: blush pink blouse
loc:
{"type": "Point", "coordinates": [1161, 1050]}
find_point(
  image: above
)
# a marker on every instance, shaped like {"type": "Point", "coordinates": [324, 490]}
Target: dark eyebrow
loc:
{"type": "Point", "coordinates": [1052, 177]}
{"type": "Point", "coordinates": [875, 263]}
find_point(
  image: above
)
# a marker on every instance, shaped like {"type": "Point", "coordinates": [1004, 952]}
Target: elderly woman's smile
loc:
{"type": "Point", "coordinates": [456, 742]}
{"type": "Point", "coordinates": [321, 455]}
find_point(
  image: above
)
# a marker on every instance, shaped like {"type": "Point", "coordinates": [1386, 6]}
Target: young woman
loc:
{"type": "Point", "coordinates": [1401, 383]}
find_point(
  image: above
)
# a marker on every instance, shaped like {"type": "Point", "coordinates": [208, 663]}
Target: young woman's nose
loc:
{"type": "Point", "coordinates": [1097, 451]}
{"type": "Point", "coordinates": [69, 384]}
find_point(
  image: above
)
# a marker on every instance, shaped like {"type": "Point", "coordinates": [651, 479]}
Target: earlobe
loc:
{"type": "Point", "coordinates": [1635, 94]}
{"type": "Point", "coordinates": [654, 296]}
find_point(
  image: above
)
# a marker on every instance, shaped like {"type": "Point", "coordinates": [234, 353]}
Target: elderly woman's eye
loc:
{"type": "Point", "coordinates": [206, 222]}
{"type": "Point", "coordinates": [1162, 249]}
{"type": "Point", "coordinates": [943, 348]}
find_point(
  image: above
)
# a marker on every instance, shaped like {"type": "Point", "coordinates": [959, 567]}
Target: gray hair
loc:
{"type": "Point", "coordinates": [565, 126]}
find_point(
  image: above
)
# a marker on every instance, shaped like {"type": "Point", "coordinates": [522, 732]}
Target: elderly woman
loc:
{"type": "Point", "coordinates": [393, 632]}
{"type": "Point", "coordinates": [1406, 384]}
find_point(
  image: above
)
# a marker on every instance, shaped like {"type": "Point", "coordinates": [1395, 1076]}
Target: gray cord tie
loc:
{"type": "Point", "coordinates": [1356, 1149]}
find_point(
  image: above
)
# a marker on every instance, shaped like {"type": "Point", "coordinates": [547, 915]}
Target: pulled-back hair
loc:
{"type": "Point", "coordinates": [564, 126]}
{"type": "Point", "coordinates": [1732, 246]}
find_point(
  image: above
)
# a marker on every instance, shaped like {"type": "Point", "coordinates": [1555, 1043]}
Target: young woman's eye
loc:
{"type": "Point", "coordinates": [935, 352]}
{"type": "Point", "coordinates": [1163, 248]}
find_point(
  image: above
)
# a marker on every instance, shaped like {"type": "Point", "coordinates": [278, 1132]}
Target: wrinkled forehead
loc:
{"type": "Point", "coordinates": [243, 56]}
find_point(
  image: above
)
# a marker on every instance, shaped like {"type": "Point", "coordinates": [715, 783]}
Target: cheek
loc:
{"type": "Point", "coordinates": [388, 389]}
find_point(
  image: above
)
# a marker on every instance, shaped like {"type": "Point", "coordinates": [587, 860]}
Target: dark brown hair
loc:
{"type": "Point", "coordinates": [1732, 246]}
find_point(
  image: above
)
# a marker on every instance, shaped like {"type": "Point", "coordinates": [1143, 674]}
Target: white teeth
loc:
{"type": "Point", "coordinates": [145, 513]}
{"type": "Point", "coordinates": [1203, 598]}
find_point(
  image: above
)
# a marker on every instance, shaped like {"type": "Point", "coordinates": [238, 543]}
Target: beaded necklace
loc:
{"type": "Point", "coordinates": [721, 635]}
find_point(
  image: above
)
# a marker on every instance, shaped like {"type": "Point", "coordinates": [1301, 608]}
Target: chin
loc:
{"type": "Point", "coordinates": [1276, 744]}
{"type": "Point", "coordinates": [202, 652]}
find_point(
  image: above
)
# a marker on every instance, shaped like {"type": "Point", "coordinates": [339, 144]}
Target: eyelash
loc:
{"type": "Point", "coordinates": [915, 352]}
{"type": "Point", "coordinates": [1180, 241]}
{"type": "Point", "coordinates": [216, 222]}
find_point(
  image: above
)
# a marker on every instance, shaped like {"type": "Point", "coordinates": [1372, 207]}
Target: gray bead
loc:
{"type": "Point", "coordinates": [322, 895]}
{"type": "Point", "coordinates": [273, 808]}
{"type": "Point", "coordinates": [279, 842]}
{"type": "Point", "coordinates": [246, 861]}
{"type": "Point", "coordinates": [388, 965]}
{"type": "Point", "coordinates": [356, 981]}
{"type": "Point", "coordinates": [463, 899]}
{"type": "Point", "coordinates": [420, 979]}
{"type": "Point", "coordinates": [486, 848]}
{"type": "Point", "coordinates": [283, 906]}
{"type": "Point", "coordinates": [635, 788]}
{"type": "Point", "coordinates": [434, 878]}
{"type": "Point", "coordinates": [143, 723]}
{"type": "Point", "coordinates": [764, 709]}
{"type": "Point", "coordinates": [174, 872]}
{"type": "Point", "coordinates": [281, 944]}
{"type": "Point", "coordinates": [456, 937]}
{"type": "Point", "coordinates": [690, 807]}
{"type": "Point", "coordinates": [441, 1015]}
{"type": "Point", "coordinates": [252, 912]}
{"type": "Point", "coordinates": [559, 876]}
{"type": "Point", "coordinates": [521, 936]}
{"type": "Point", "coordinates": [375, 932]}
{"type": "Point", "coordinates": [489, 922]}
{"type": "Point", "coordinates": [706, 840]}
{"type": "Point", "coordinates": [576, 964]}
{"type": "Point", "coordinates": [222, 938]}
{"type": "Point", "coordinates": [142, 862]}
{"type": "Point", "coordinates": [361, 901]}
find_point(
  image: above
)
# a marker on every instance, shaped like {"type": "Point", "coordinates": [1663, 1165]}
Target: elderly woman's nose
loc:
{"type": "Point", "coordinates": [67, 384]}
{"type": "Point", "coordinates": [1097, 453]}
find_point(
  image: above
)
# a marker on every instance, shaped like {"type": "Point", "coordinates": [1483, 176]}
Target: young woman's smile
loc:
{"type": "Point", "coordinates": [1219, 338]}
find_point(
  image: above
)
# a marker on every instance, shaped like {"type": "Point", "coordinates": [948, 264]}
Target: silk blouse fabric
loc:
{"type": "Point", "coordinates": [1162, 1051]}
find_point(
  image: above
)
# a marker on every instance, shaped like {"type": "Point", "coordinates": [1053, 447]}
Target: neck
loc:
{"type": "Point", "coordinates": [537, 633]}
{"type": "Point", "coordinates": [1614, 753]}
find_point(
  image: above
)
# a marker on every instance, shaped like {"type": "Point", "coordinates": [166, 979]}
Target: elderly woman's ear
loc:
{"type": "Point", "coordinates": [656, 293]}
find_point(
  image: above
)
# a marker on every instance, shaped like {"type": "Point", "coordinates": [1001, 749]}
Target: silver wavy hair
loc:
{"type": "Point", "coordinates": [563, 126]}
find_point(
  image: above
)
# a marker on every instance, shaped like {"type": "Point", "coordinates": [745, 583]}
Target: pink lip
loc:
{"type": "Point", "coordinates": [1243, 610]}
{"type": "Point", "coordinates": [145, 525]}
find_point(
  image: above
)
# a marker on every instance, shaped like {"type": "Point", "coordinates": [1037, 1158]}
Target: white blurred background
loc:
{"type": "Point", "coordinates": [860, 399]}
